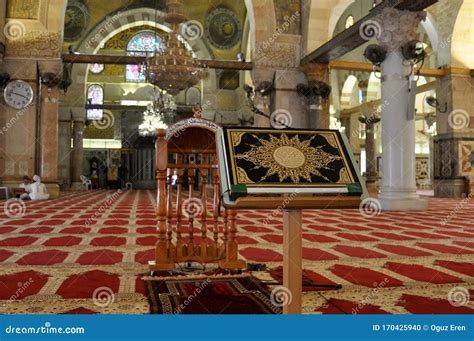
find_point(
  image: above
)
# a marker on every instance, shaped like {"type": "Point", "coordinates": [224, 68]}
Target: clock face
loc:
{"type": "Point", "coordinates": [18, 94]}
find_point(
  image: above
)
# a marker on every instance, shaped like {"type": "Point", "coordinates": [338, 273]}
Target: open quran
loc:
{"type": "Point", "coordinates": [268, 161]}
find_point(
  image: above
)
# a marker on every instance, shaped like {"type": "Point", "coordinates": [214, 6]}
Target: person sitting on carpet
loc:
{"type": "Point", "coordinates": [38, 190]}
{"type": "Point", "coordinates": [25, 186]}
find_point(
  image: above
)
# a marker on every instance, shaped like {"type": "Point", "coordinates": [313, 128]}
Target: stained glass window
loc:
{"type": "Point", "coordinates": [96, 68]}
{"type": "Point", "coordinates": [95, 95]}
{"type": "Point", "coordinates": [139, 45]}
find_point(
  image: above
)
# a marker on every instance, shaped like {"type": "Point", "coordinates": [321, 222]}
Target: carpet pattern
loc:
{"type": "Point", "coordinates": [228, 294]}
{"type": "Point", "coordinates": [86, 252]}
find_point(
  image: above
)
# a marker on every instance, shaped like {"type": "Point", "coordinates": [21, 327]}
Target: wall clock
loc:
{"type": "Point", "coordinates": [18, 94]}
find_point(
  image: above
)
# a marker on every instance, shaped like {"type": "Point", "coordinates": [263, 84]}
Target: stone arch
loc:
{"type": "Point", "coordinates": [373, 88]}
{"type": "Point", "coordinates": [107, 28]}
{"type": "Point", "coordinates": [321, 21]}
{"type": "Point", "coordinates": [349, 94]}
{"type": "Point", "coordinates": [262, 21]}
{"type": "Point", "coordinates": [463, 37]}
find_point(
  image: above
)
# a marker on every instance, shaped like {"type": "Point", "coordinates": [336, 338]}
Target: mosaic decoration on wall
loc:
{"type": "Point", "coordinates": [76, 20]}
{"type": "Point", "coordinates": [23, 9]}
{"type": "Point", "coordinates": [288, 16]}
{"type": "Point", "coordinates": [223, 28]}
{"type": "Point", "coordinates": [93, 132]}
{"type": "Point", "coordinates": [466, 158]}
{"type": "Point", "coordinates": [422, 170]}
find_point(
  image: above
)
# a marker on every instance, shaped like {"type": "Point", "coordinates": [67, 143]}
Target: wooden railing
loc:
{"type": "Point", "coordinates": [191, 228]}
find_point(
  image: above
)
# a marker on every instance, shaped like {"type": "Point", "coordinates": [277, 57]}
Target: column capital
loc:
{"type": "Point", "coordinates": [319, 72]}
{"type": "Point", "coordinates": [393, 28]}
{"type": "Point", "coordinates": [54, 66]}
{"type": "Point", "coordinates": [262, 75]}
{"type": "Point", "coordinates": [370, 112]}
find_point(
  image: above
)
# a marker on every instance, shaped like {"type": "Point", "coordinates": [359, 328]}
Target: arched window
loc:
{"type": "Point", "coordinates": [96, 68]}
{"type": "Point", "coordinates": [95, 95]}
{"type": "Point", "coordinates": [139, 45]}
{"type": "Point", "coordinates": [349, 21]}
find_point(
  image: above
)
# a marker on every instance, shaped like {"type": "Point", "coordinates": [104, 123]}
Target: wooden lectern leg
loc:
{"type": "Point", "coordinates": [292, 260]}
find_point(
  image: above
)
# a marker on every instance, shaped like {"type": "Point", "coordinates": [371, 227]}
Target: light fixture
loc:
{"type": "Point", "coordinates": [159, 114]}
{"type": "Point", "coordinates": [151, 122]}
{"type": "Point", "coordinates": [164, 105]}
{"type": "Point", "coordinates": [174, 68]}
{"type": "Point", "coordinates": [376, 54]}
{"type": "Point", "coordinates": [434, 103]}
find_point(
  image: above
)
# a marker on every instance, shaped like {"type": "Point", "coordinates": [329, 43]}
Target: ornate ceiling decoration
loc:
{"type": "Point", "coordinates": [24, 9]}
{"type": "Point", "coordinates": [223, 28]}
{"type": "Point", "coordinates": [174, 67]}
{"type": "Point", "coordinates": [76, 20]}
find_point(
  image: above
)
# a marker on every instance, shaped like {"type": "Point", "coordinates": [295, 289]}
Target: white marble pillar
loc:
{"type": "Point", "coordinates": [398, 187]}
{"type": "Point", "coordinates": [77, 153]}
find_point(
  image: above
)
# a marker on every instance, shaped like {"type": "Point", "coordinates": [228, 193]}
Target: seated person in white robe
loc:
{"type": "Point", "coordinates": [38, 190]}
{"type": "Point", "coordinates": [25, 185]}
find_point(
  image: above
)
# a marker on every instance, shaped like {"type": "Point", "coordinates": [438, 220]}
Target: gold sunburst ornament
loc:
{"type": "Point", "coordinates": [289, 158]}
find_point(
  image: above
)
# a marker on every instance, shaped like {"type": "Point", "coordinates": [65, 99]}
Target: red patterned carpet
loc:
{"type": "Point", "coordinates": [61, 253]}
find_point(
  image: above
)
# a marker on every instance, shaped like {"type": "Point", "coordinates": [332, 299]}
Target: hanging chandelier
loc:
{"type": "Point", "coordinates": [160, 113]}
{"type": "Point", "coordinates": [174, 68]}
{"type": "Point", "coordinates": [152, 121]}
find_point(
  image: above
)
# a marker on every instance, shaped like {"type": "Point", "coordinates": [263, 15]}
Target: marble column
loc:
{"type": "Point", "coordinates": [48, 166]}
{"type": "Point", "coordinates": [370, 120]}
{"type": "Point", "coordinates": [453, 145]}
{"type": "Point", "coordinates": [64, 152]}
{"type": "Point", "coordinates": [289, 108]}
{"type": "Point", "coordinates": [278, 61]}
{"type": "Point", "coordinates": [318, 107]}
{"type": "Point", "coordinates": [262, 101]}
{"type": "Point", "coordinates": [398, 187]}
{"type": "Point", "coordinates": [77, 158]}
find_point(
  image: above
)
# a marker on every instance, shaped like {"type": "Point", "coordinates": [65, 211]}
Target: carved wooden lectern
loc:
{"type": "Point", "coordinates": [290, 170]}
{"type": "Point", "coordinates": [190, 228]}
